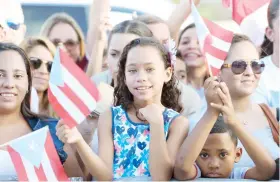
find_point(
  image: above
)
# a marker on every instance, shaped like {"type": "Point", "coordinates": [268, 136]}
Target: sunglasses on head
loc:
{"type": "Point", "coordinates": [239, 66]}
{"type": "Point", "coordinates": [68, 43]}
{"type": "Point", "coordinates": [36, 63]}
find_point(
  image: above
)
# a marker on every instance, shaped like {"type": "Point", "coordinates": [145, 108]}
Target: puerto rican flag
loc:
{"type": "Point", "coordinates": [71, 93]}
{"type": "Point", "coordinates": [214, 40]}
{"type": "Point", "coordinates": [35, 158]}
{"type": "Point", "coordinates": [251, 15]}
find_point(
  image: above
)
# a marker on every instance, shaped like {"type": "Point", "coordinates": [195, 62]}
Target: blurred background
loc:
{"type": "Point", "coordinates": [37, 11]}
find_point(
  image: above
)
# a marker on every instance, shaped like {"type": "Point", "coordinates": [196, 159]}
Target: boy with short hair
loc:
{"type": "Point", "coordinates": [211, 148]}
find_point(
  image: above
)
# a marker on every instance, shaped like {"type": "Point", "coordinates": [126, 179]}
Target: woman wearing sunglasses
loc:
{"type": "Point", "coordinates": [40, 52]}
{"type": "Point", "coordinates": [16, 117]}
{"type": "Point", "coordinates": [241, 72]}
{"type": "Point", "coordinates": [61, 28]}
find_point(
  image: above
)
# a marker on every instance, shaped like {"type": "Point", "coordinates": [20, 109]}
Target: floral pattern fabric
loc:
{"type": "Point", "coordinates": [131, 143]}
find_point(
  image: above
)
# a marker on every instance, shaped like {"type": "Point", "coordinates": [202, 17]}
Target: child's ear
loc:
{"type": "Point", "coordinates": [238, 154]}
{"type": "Point", "coordinates": [168, 73]}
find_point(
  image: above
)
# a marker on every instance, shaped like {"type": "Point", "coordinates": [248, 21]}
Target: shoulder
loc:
{"type": "Point", "coordinates": [101, 77]}
{"type": "Point", "coordinates": [179, 121]}
{"type": "Point", "coordinates": [170, 114]}
{"type": "Point", "coordinates": [266, 109]}
{"type": "Point", "coordinates": [105, 119]}
{"type": "Point", "coordinates": [105, 123]}
{"type": "Point", "coordinates": [37, 123]}
{"type": "Point", "coordinates": [239, 172]}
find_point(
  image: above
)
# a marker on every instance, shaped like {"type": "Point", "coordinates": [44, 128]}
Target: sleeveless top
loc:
{"type": "Point", "coordinates": [265, 138]}
{"type": "Point", "coordinates": [131, 143]}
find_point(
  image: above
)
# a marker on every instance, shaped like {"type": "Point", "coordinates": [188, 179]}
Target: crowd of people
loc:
{"type": "Point", "coordinates": [169, 118]}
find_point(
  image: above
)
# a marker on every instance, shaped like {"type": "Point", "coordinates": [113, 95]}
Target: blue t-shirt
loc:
{"type": "Point", "coordinates": [36, 124]}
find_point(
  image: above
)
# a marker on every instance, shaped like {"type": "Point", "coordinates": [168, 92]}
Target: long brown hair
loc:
{"type": "Point", "coordinates": [170, 93]}
{"type": "Point", "coordinates": [25, 105]}
{"type": "Point", "coordinates": [64, 18]}
{"type": "Point", "coordinates": [272, 14]}
{"type": "Point", "coordinates": [27, 45]}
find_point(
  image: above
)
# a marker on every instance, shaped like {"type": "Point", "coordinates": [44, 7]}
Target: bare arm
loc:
{"type": "Point", "coordinates": [98, 167]}
{"type": "Point", "coordinates": [74, 164]}
{"type": "Point", "coordinates": [265, 165]}
{"type": "Point", "coordinates": [96, 39]}
{"type": "Point", "coordinates": [192, 146]}
{"type": "Point", "coordinates": [162, 152]}
{"type": "Point", "coordinates": [178, 16]}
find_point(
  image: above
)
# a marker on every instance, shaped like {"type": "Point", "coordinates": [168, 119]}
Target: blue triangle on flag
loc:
{"type": "Point", "coordinates": [31, 147]}
{"type": "Point", "coordinates": [56, 75]}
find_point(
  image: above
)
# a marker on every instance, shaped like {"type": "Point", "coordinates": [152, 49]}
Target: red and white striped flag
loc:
{"type": "Point", "coordinates": [214, 41]}
{"type": "Point", "coordinates": [71, 93]}
{"type": "Point", "coordinates": [251, 15]}
{"type": "Point", "coordinates": [35, 158]}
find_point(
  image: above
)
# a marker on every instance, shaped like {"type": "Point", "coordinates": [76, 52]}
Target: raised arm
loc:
{"type": "Point", "coordinates": [96, 36]}
{"type": "Point", "coordinates": [264, 164]}
{"type": "Point", "coordinates": [178, 16]}
{"type": "Point", "coordinates": [193, 144]}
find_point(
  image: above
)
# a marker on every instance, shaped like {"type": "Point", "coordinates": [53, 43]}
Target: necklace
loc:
{"type": "Point", "coordinates": [138, 116]}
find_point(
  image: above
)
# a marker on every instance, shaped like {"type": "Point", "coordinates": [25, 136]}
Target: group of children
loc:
{"type": "Point", "coordinates": [144, 135]}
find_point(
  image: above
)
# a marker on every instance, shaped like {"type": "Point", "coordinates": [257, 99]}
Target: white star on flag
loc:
{"type": "Point", "coordinates": [35, 157]}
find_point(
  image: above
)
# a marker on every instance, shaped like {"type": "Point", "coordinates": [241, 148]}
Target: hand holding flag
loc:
{"type": "Point", "coordinates": [71, 93]}
{"type": "Point", "coordinates": [66, 134]}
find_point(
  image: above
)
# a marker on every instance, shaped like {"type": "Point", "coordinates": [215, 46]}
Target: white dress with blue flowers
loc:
{"type": "Point", "coordinates": [131, 143]}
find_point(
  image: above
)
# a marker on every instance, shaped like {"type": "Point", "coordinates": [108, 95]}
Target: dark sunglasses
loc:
{"type": "Point", "coordinates": [68, 43]}
{"type": "Point", "coordinates": [36, 63]}
{"type": "Point", "coordinates": [239, 66]}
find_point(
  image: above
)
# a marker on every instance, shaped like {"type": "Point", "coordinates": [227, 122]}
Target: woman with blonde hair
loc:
{"type": "Point", "coordinates": [40, 52]}
{"type": "Point", "coordinates": [62, 28]}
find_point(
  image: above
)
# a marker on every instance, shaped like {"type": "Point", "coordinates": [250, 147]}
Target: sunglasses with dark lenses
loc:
{"type": "Point", "coordinates": [36, 63]}
{"type": "Point", "coordinates": [68, 43]}
{"type": "Point", "coordinates": [239, 66]}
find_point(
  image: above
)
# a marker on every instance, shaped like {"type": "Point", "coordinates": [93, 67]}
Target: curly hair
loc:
{"type": "Point", "coordinates": [170, 93]}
